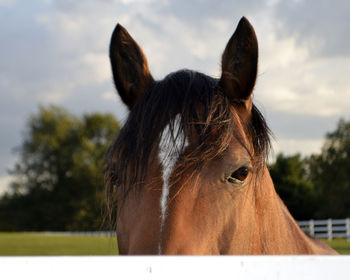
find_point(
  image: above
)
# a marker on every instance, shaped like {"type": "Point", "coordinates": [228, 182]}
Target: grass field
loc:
{"type": "Point", "coordinates": [340, 245]}
{"type": "Point", "coordinates": [38, 244]}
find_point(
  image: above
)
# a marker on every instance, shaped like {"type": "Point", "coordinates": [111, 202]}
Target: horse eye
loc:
{"type": "Point", "coordinates": [239, 175]}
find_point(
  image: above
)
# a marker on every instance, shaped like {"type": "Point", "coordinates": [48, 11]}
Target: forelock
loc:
{"type": "Point", "coordinates": [203, 113]}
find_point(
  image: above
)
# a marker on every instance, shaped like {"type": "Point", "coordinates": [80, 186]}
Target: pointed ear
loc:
{"type": "Point", "coordinates": [240, 63]}
{"type": "Point", "coordinates": [129, 66]}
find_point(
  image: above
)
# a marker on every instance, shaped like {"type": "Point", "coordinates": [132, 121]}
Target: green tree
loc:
{"type": "Point", "coordinates": [59, 174]}
{"type": "Point", "coordinates": [330, 172]}
{"type": "Point", "coordinates": [290, 176]}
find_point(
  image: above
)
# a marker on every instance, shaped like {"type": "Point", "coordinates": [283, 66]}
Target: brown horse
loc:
{"type": "Point", "coordinates": [188, 167]}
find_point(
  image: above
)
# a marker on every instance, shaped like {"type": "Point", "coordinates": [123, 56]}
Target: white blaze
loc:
{"type": "Point", "coordinates": [169, 152]}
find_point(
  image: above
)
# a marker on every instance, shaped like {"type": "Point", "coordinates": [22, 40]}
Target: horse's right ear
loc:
{"type": "Point", "coordinates": [129, 66]}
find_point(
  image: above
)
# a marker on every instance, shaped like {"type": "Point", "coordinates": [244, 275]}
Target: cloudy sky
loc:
{"type": "Point", "coordinates": [56, 52]}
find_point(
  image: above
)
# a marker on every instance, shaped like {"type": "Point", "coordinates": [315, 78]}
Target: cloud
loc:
{"type": "Point", "coordinates": [295, 79]}
{"type": "Point", "coordinates": [290, 146]}
{"type": "Point", "coordinates": [322, 26]}
{"type": "Point", "coordinates": [6, 3]}
{"type": "Point", "coordinates": [313, 87]}
{"type": "Point", "coordinates": [57, 52]}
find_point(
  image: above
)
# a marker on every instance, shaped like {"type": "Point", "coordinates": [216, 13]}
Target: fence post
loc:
{"type": "Point", "coordinates": [329, 227]}
{"type": "Point", "coordinates": [312, 228]}
{"type": "Point", "coordinates": [347, 224]}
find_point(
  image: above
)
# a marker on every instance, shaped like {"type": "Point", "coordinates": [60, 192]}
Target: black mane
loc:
{"type": "Point", "coordinates": [204, 110]}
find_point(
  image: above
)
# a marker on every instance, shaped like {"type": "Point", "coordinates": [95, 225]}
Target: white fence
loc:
{"type": "Point", "coordinates": [87, 233]}
{"type": "Point", "coordinates": [207, 267]}
{"type": "Point", "coordinates": [331, 228]}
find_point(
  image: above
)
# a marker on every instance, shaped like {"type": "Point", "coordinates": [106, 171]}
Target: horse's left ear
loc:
{"type": "Point", "coordinates": [129, 66]}
{"type": "Point", "coordinates": [240, 63]}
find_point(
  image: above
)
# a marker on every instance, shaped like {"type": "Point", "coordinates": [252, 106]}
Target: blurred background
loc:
{"type": "Point", "coordinates": [59, 109]}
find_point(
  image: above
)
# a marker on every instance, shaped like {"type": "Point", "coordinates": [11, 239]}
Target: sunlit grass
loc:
{"type": "Point", "coordinates": [340, 245]}
{"type": "Point", "coordinates": [38, 244]}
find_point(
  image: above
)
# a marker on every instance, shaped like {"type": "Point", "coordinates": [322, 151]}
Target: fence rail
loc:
{"type": "Point", "coordinates": [86, 233]}
{"type": "Point", "coordinates": [330, 228]}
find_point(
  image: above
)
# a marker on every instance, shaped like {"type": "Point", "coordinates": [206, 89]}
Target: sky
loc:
{"type": "Point", "coordinates": [56, 52]}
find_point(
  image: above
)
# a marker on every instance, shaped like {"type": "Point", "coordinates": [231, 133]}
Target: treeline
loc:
{"type": "Point", "coordinates": [59, 175]}
{"type": "Point", "coordinates": [318, 186]}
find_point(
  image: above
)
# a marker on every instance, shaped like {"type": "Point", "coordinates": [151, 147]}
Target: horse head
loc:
{"type": "Point", "coordinates": [188, 167]}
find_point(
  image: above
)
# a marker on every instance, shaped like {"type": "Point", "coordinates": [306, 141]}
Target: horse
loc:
{"type": "Point", "coordinates": [188, 168]}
